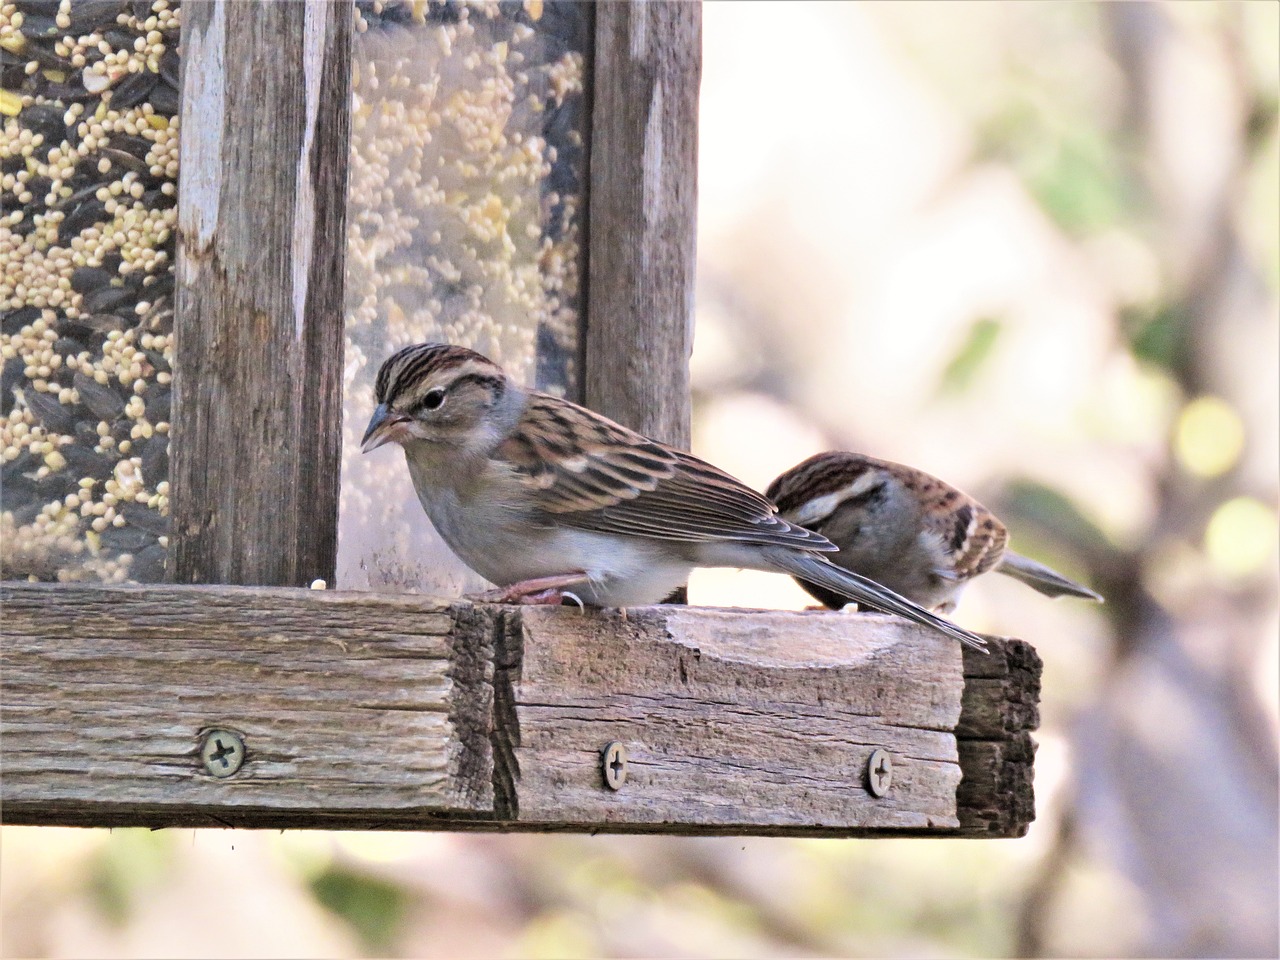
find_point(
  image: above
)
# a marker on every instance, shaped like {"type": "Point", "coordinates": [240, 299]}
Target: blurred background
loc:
{"type": "Point", "coordinates": [1035, 250]}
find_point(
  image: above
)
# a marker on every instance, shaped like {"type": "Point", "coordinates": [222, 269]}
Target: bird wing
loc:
{"type": "Point", "coordinates": [966, 532]}
{"type": "Point", "coordinates": [594, 474]}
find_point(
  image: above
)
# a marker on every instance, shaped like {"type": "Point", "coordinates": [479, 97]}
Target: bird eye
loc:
{"type": "Point", "coordinates": [433, 399]}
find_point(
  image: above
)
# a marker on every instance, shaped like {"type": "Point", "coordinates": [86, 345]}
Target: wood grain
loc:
{"type": "Point", "coordinates": [999, 711]}
{"type": "Point", "coordinates": [735, 720]}
{"type": "Point", "coordinates": [380, 711]}
{"type": "Point", "coordinates": [259, 299]}
{"type": "Point", "coordinates": [347, 704]}
{"type": "Point", "coordinates": [642, 215]}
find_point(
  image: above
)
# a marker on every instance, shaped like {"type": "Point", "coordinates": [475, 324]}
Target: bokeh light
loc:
{"type": "Point", "coordinates": [1242, 536]}
{"type": "Point", "coordinates": [1209, 436]}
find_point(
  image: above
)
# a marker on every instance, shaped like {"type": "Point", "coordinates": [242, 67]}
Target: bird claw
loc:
{"type": "Point", "coordinates": [546, 591]}
{"type": "Point", "coordinates": [551, 598]}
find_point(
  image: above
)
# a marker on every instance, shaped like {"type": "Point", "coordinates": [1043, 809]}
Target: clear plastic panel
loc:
{"type": "Point", "coordinates": [465, 211]}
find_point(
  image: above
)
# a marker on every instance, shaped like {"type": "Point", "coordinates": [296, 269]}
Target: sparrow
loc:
{"type": "Point", "coordinates": [905, 529]}
{"type": "Point", "coordinates": [549, 500]}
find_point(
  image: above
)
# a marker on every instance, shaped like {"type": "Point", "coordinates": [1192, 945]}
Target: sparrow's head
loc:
{"type": "Point", "coordinates": [810, 492]}
{"type": "Point", "coordinates": [439, 393]}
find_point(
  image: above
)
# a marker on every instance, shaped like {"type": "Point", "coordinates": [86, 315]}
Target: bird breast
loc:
{"type": "Point", "coordinates": [479, 517]}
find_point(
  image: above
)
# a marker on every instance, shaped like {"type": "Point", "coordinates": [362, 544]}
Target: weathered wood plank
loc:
{"type": "Point", "coordinates": [259, 300]}
{"type": "Point", "coordinates": [372, 711]}
{"type": "Point", "coordinates": [1000, 709]}
{"type": "Point", "coordinates": [343, 705]}
{"type": "Point", "coordinates": [642, 215]}
{"type": "Point", "coordinates": [733, 719]}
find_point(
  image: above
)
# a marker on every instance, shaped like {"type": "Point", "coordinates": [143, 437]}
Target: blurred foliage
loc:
{"type": "Point", "coordinates": [1074, 173]}
{"type": "Point", "coordinates": [1155, 331]}
{"type": "Point", "coordinates": [123, 871]}
{"type": "Point", "coordinates": [1047, 509]}
{"type": "Point", "coordinates": [374, 908]}
{"type": "Point", "coordinates": [1209, 436]}
{"type": "Point", "coordinates": [974, 351]}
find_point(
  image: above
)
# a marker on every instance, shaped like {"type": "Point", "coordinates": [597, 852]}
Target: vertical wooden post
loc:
{"type": "Point", "coordinates": [259, 309]}
{"type": "Point", "coordinates": [642, 215]}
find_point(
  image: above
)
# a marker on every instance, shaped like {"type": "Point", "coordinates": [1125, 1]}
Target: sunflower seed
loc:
{"type": "Point", "coordinates": [106, 298]}
{"type": "Point", "coordinates": [54, 416]}
{"type": "Point", "coordinates": [103, 402]}
{"type": "Point", "coordinates": [15, 320]}
{"type": "Point", "coordinates": [126, 540]}
{"type": "Point", "coordinates": [87, 279]}
{"type": "Point", "coordinates": [37, 26]}
{"type": "Point", "coordinates": [89, 213]}
{"type": "Point", "coordinates": [155, 460]}
{"type": "Point", "coordinates": [85, 462]}
{"type": "Point", "coordinates": [139, 516]}
{"type": "Point", "coordinates": [170, 64]}
{"type": "Point", "coordinates": [10, 375]}
{"type": "Point", "coordinates": [102, 323]}
{"type": "Point", "coordinates": [165, 99]}
{"type": "Point", "coordinates": [88, 16]}
{"type": "Point", "coordinates": [132, 90]}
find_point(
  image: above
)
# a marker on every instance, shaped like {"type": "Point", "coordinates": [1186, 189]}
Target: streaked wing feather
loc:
{"type": "Point", "coordinates": [969, 533]}
{"type": "Point", "coordinates": [597, 475]}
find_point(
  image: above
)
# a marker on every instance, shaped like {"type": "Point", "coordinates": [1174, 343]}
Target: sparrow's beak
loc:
{"type": "Point", "coordinates": [383, 428]}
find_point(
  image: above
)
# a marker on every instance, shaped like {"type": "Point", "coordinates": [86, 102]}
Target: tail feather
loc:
{"type": "Point", "coordinates": [862, 590]}
{"type": "Point", "coordinates": [1041, 578]}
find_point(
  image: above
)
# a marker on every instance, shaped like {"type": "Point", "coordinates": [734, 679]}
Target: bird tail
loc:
{"type": "Point", "coordinates": [1041, 578]}
{"type": "Point", "coordinates": [862, 590]}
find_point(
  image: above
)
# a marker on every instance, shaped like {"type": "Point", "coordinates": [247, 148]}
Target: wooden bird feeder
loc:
{"type": "Point", "coordinates": [519, 177]}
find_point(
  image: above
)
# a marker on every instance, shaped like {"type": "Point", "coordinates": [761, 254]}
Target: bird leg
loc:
{"type": "Point", "coordinates": [541, 590]}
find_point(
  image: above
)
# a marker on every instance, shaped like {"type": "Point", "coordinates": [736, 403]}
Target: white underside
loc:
{"type": "Point", "coordinates": [501, 544]}
{"type": "Point", "coordinates": [619, 572]}
{"type": "Point", "coordinates": [505, 548]}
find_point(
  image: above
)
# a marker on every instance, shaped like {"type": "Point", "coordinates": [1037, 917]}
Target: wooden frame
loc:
{"type": "Point", "coordinates": [257, 403]}
{"type": "Point", "coordinates": [643, 202]}
{"type": "Point", "coordinates": [375, 711]}
{"type": "Point", "coordinates": [258, 318]}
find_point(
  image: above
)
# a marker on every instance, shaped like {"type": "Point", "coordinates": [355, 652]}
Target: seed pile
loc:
{"type": "Point", "coordinates": [88, 187]}
{"type": "Point", "coordinates": [466, 198]}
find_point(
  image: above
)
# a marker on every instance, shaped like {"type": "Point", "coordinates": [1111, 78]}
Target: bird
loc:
{"type": "Point", "coordinates": [904, 528]}
{"type": "Point", "coordinates": [549, 500]}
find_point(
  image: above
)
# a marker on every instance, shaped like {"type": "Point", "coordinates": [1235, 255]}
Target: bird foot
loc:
{"type": "Point", "coordinates": [542, 591]}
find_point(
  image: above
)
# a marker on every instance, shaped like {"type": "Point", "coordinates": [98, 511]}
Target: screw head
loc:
{"type": "Point", "coordinates": [613, 764]}
{"type": "Point", "coordinates": [880, 772]}
{"type": "Point", "coordinates": [222, 752]}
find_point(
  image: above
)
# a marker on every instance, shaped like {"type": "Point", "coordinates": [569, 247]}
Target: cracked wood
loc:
{"type": "Point", "coordinates": [642, 208]}
{"type": "Point", "coordinates": [374, 711]}
{"type": "Point", "coordinates": [257, 401]}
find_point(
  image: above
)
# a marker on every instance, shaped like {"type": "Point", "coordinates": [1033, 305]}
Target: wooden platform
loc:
{"type": "Point", "coordinates": [371, 711]}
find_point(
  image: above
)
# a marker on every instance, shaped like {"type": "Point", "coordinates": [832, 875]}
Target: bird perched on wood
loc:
{"type": "Point", "coordinates": [905, 529]}
{"type": "Point", "coordinates": [549, 500]}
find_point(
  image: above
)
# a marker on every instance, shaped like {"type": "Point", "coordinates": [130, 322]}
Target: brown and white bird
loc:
{"type": "Point", "coordinates": [547, 499]}
{"type": "Point", "coordinates": [905, 529]}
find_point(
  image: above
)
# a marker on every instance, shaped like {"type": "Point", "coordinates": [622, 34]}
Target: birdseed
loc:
{"type": "Point", "coordinates": [465, 209]}
{"type": "Point", "coordinates": [88, 174]}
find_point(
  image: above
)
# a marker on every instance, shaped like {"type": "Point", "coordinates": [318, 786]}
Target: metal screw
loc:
{"type": "Point", "coordinates": [614, 765]}
{"type": "Point", "coordinates": [880, 772]}
{"type": "Point", "coordinates": [222, 752]}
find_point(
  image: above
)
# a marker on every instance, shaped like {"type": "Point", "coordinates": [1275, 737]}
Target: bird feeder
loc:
{"type": "Point", "coordinates": [187, 361]}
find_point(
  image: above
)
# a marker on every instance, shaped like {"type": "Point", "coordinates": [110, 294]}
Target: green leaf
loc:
{"type": "Point", "coordinates": [963, 367]}
{"type": "Point", "coordinates": [374, 908]}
